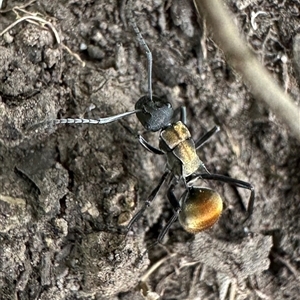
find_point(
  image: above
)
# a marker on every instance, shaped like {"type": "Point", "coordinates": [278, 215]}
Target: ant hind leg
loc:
{"type": "Point", "coordinates": [232, 181]}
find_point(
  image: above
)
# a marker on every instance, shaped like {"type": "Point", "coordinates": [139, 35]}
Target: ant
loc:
{"type": "Point", "coordinates": [198, 208]}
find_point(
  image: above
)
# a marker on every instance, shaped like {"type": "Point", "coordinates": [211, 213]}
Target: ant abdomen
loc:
{"type": "Point", "coordinates": [200, 209]}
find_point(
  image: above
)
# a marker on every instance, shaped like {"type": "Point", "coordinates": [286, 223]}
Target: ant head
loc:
{"type": "Point", "coordinates": [200, 209]}
{"type": "Point", "coordinates": [154, 114]}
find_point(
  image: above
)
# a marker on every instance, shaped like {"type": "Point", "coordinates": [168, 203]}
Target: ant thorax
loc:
{"type": "Point", "coordinates": [176, 142]}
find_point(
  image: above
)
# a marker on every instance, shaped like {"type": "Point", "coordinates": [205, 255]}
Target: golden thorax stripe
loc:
{"type": "Point", "coordinates": [175, 134]}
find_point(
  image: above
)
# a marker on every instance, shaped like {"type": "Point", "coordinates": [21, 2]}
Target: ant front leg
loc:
{"type": "Point", "coordinates": [149, 147]}
{"type": "Point", "coordinates": [182, 111]}
{"type": "Point", "coordinates": [232, 181]}
{"type": "Point", "coordinates": [142, 140]}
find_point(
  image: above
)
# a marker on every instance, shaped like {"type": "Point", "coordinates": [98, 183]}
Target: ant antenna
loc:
{"type": "Point", "coordinates": [149, 56]}
{"type": "Point", "coordinates": [95, 121]}
{"type": "Point", "coordinates": [100, 121]}
{"type": "Point", "coordinates": [130, 17]}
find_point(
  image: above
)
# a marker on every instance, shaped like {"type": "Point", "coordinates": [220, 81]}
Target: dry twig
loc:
{"type": "Point", "coordinates": [34, 19]}
{"type": "Point", "coordinates": [240, 57]}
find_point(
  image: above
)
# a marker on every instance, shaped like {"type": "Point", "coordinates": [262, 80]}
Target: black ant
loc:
{"type": "Point", "coordinates": [198, 208]}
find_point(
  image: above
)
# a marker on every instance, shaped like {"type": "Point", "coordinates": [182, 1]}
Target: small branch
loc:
{"type": "Point", "coordinates": [21, 6]}
{"type": "Point", "coordinates": [154, 267]}
{"type": "Point", "coordinates": [34, 18]}
{"type": "Point", "coordinates": [287, 264]}
{"type": "Point", "coordinates": [240, 57]}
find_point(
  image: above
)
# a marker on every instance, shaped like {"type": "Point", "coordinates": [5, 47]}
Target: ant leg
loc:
{"type": "Point", "coordinates": [232, 181]}
{"type": "Point", "coordinates": [149, 147]}
{"type": "Point", "coordinates": [183, 114]}
{"type": "Point", "coordinates": [203, 139]}
{"type": "Point", "coordinates": [148, 201]}
{"type": "Point", "coordinates": [177, 209]}
{"type": "Point", "coordinates": [182, 111]}
{"type": "Point", "coordinates": [142, 141]}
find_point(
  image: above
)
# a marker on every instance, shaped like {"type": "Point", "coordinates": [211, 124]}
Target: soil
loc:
{"type": "Point", "coordinates": [68, 191]}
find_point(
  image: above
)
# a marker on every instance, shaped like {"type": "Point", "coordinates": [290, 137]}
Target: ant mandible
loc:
{"type": "Point", "coordinates": [198, 208]}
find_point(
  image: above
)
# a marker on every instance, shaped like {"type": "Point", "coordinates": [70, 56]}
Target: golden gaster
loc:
{"type": "Point", "coordinates": [200, 209]}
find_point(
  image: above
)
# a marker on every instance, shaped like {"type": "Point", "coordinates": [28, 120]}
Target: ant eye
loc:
{"type": "Point", "coordinates": [201, 208]}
